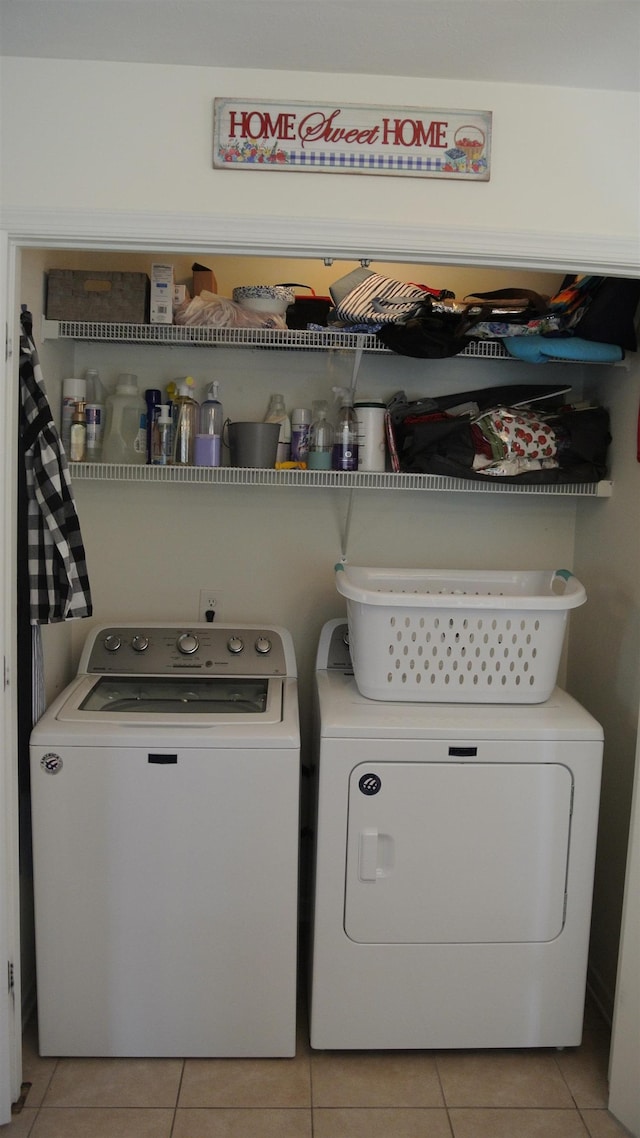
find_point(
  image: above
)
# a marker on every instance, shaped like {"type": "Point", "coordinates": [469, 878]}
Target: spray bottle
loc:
{"type": "Point", "coordinates": [276, 413]}
{"type": "Point", "coordinates": [207, 443]}
{"type": "Point", "coordinates": [185, 419]}
{"type": "Point", "coordinates": [345, 447]}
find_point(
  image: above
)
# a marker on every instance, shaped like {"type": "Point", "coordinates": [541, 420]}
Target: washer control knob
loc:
{"type": "Point", "coordinates": [140, 643]}
{"type": "Point", "coordinates": [112, 642]}
{"type": "Point", "coordinates": [235, 645]}
{"type": "Point", "coordinates": [263, 645]}
{"type": "Point", "coordinates": [187, 643]}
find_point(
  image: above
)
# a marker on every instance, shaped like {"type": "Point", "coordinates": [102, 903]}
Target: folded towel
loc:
{"type": "Point", "coordinates": [540, 349]}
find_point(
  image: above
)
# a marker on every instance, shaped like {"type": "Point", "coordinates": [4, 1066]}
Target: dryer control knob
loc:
{"type": "Point", "coordinates": [187, 643]}
{"type": "Point", "coordinates": [140, 643]}
{"type": "Point", "coordinates": [235, 645]}
{"type": "Point", "coordinates": [263, 645]}
{"type": "Point", "coordinates": [112, 643]}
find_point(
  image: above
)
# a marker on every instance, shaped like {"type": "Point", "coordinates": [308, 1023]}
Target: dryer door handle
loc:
{"type": "Point", "coordinates": [375, 855]}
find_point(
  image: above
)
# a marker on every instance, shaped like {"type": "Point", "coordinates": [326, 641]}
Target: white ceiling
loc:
{"type": "Point", "coordinates": [567, 43]}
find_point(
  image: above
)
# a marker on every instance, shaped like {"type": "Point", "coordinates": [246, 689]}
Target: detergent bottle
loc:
{"type": "Point", "coordinates": [320, 454]}
{"type": "Point", "coordinates": [345, 447]}
{"type": "Point", "coordinates": [125, 408]}
{"type": "Point", "coordinates": [185, 423]}
{"type": "Point", "coordinates": [207, 444]}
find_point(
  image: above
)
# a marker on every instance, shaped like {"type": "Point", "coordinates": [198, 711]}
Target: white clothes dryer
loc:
{"type": "Point", "coordinates": [455, 849]}
{"type": "Point", "coordinates": [165, 787]}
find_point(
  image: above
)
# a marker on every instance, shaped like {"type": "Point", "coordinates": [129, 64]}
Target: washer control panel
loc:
{"type": "Point", "coordinates": [206, 649]}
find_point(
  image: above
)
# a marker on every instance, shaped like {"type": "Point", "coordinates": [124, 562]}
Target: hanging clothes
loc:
{"type": "Point", "coordinates": [57, 570]}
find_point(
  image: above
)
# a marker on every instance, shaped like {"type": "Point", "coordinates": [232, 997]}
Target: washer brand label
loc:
{"type": "Point", "coordinates": [370, 784]}
{"type": "Point", "coordinates": [51, 763]}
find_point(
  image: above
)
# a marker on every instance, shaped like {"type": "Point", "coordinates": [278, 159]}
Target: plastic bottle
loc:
{"type": "Point", "coordinates": [153, 399]}
{"type": "Point", "coordinates": [207, 444]}
{"type": "Point", "coordinates": [276, 413]}
{"type": "Point", "coordinates": [95, 413]}
{"type": "Point", "coordinates": [78, 434]}
{"type": "Point", "coordinates": [300, 431]}
{"type": "Point", "coordinates": [124, 409]}
{"type": "Point", "coordinates": [72, 390]}
{"type": "Point", "coordinates": [185, 423]}
{"type": "Point", "coordinates": [321, 438]}
{"type": "Point", "coordinates": [162, 437]}
{"type": "Point", "coordinates": [345, 447]}
{"type": "Point", "coordinates": [371, 434]}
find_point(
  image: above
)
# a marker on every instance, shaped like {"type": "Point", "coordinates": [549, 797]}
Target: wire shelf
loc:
{"type": "Point", "coordinates": [176, 335]}
{"type": "Point", "coordinates": [322, 479]}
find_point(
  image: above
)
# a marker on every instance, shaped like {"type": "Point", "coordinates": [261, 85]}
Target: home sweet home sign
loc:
{"type": "Point", "coordinates": [338, 138]}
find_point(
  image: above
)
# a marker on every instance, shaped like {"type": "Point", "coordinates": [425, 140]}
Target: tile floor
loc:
{"type": "Point", "coordinates": [321, 1094]}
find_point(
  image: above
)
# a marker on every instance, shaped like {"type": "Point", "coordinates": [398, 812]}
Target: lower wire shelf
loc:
{"type": "Point", "coordinates": [323, 479]}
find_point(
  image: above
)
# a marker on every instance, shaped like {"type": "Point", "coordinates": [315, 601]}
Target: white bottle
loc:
{"type": "Point", "coordinates": [78, 434]}
{"type": "Point", "coordinates": [371, 434]}
{"type": "Point", "coordinates": [276, 413]}
{"type": "Point", "coordinates": [124, 410]}
{"type": "Point", "coordinates": [72, 390]}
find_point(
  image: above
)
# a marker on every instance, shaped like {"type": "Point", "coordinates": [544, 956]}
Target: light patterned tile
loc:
{"type": "Point", "coordinates": [20, 1125]}
{"type": "Point", "coordinates": [251, 1123]}
{"type": "Point", "coordinates": [35, 1069]}
{"type": "Point", "coordinates": [355, 1122]}
{"type": "Point", "coordinates": [375, 1079]}
{"type": "Point", "coordinates": [246, 1083]}
{"type": "Point", "coordinates": [115, 1082]}
{"type": "Point", "coordinates": [74, 1122]}
{"type": "Point", "coordinates": [491, 1123]}
{"type": "Point", "coordinates": [586, 1072]}
{"type": "Point", "coordinates": [601, 1124]}
{"type": "Point", "coordinates": [502, 1079]}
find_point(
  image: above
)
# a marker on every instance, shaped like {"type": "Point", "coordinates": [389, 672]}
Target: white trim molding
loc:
{"type": "Point", "coordinates": [276, 236]}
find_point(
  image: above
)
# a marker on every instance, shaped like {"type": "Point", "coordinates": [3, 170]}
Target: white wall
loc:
{"type": "Point", "coordinates": [109, 136]}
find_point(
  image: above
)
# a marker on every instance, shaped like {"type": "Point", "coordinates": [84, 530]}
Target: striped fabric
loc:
{"type": "Point", "coordinates": [58, 579]}
{"type": "Point", "coordinates": [379, 300]}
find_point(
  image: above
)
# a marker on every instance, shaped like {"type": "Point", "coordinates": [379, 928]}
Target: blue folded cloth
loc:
{"type": "Point", "coordinates": [540, 349]}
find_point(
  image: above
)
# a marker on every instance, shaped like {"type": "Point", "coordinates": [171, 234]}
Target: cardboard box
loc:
{"type": "Point", "coordinates": [161, 301]}
{"type": "Point", "coordinates": [204, 280]}
{"type": "Point", "coordinates": [100, 297]}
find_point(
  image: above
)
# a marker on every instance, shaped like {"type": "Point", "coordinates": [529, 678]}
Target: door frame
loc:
{"type": "Point", "coordinates": [258, 236]}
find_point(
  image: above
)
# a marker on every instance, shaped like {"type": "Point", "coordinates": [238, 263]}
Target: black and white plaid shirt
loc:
{"type": "Point", "coordinates": [58, 580]}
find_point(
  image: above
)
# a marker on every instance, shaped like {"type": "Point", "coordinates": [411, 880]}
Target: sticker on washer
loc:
{"type": "Point", "coordinates": [51, 763]}
{"type": "Point", "coordinates": [370, 784]}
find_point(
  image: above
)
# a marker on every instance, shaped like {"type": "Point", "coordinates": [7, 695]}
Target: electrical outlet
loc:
{"type": "Point", "coordinates": [210, 602]}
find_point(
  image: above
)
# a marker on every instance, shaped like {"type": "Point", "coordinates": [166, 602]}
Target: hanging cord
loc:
{"type": "Point", "coordinates": [347, 526]}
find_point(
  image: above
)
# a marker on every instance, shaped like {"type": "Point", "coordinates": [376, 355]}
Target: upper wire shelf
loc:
{"type": "Point", "coordinates": [177, 335]}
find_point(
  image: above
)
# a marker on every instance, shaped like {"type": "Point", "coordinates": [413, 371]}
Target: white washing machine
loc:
{"type": "Point", "coordinates": [165, 788]}
{"type": "Point", "coordinates": [453, 869]}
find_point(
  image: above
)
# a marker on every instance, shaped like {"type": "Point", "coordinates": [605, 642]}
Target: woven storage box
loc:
{"type": "Point", "coordinates": [457, 636]}
{"type": "Point", "coordinates": [103, 297]}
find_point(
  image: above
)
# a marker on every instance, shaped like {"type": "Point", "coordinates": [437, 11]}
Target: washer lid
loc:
{"type": "Point", "coordinates": [180, 700]}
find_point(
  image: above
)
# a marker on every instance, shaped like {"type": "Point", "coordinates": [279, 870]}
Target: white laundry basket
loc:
{"type": "Point", "coordinates": [457, 636]}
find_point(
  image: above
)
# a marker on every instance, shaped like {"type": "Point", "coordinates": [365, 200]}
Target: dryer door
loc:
{"type": "Point", "coordinates": [457, 852]}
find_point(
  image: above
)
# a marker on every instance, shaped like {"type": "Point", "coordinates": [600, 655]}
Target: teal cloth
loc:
{"type": "Point", "coordinates": [540, 349]}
